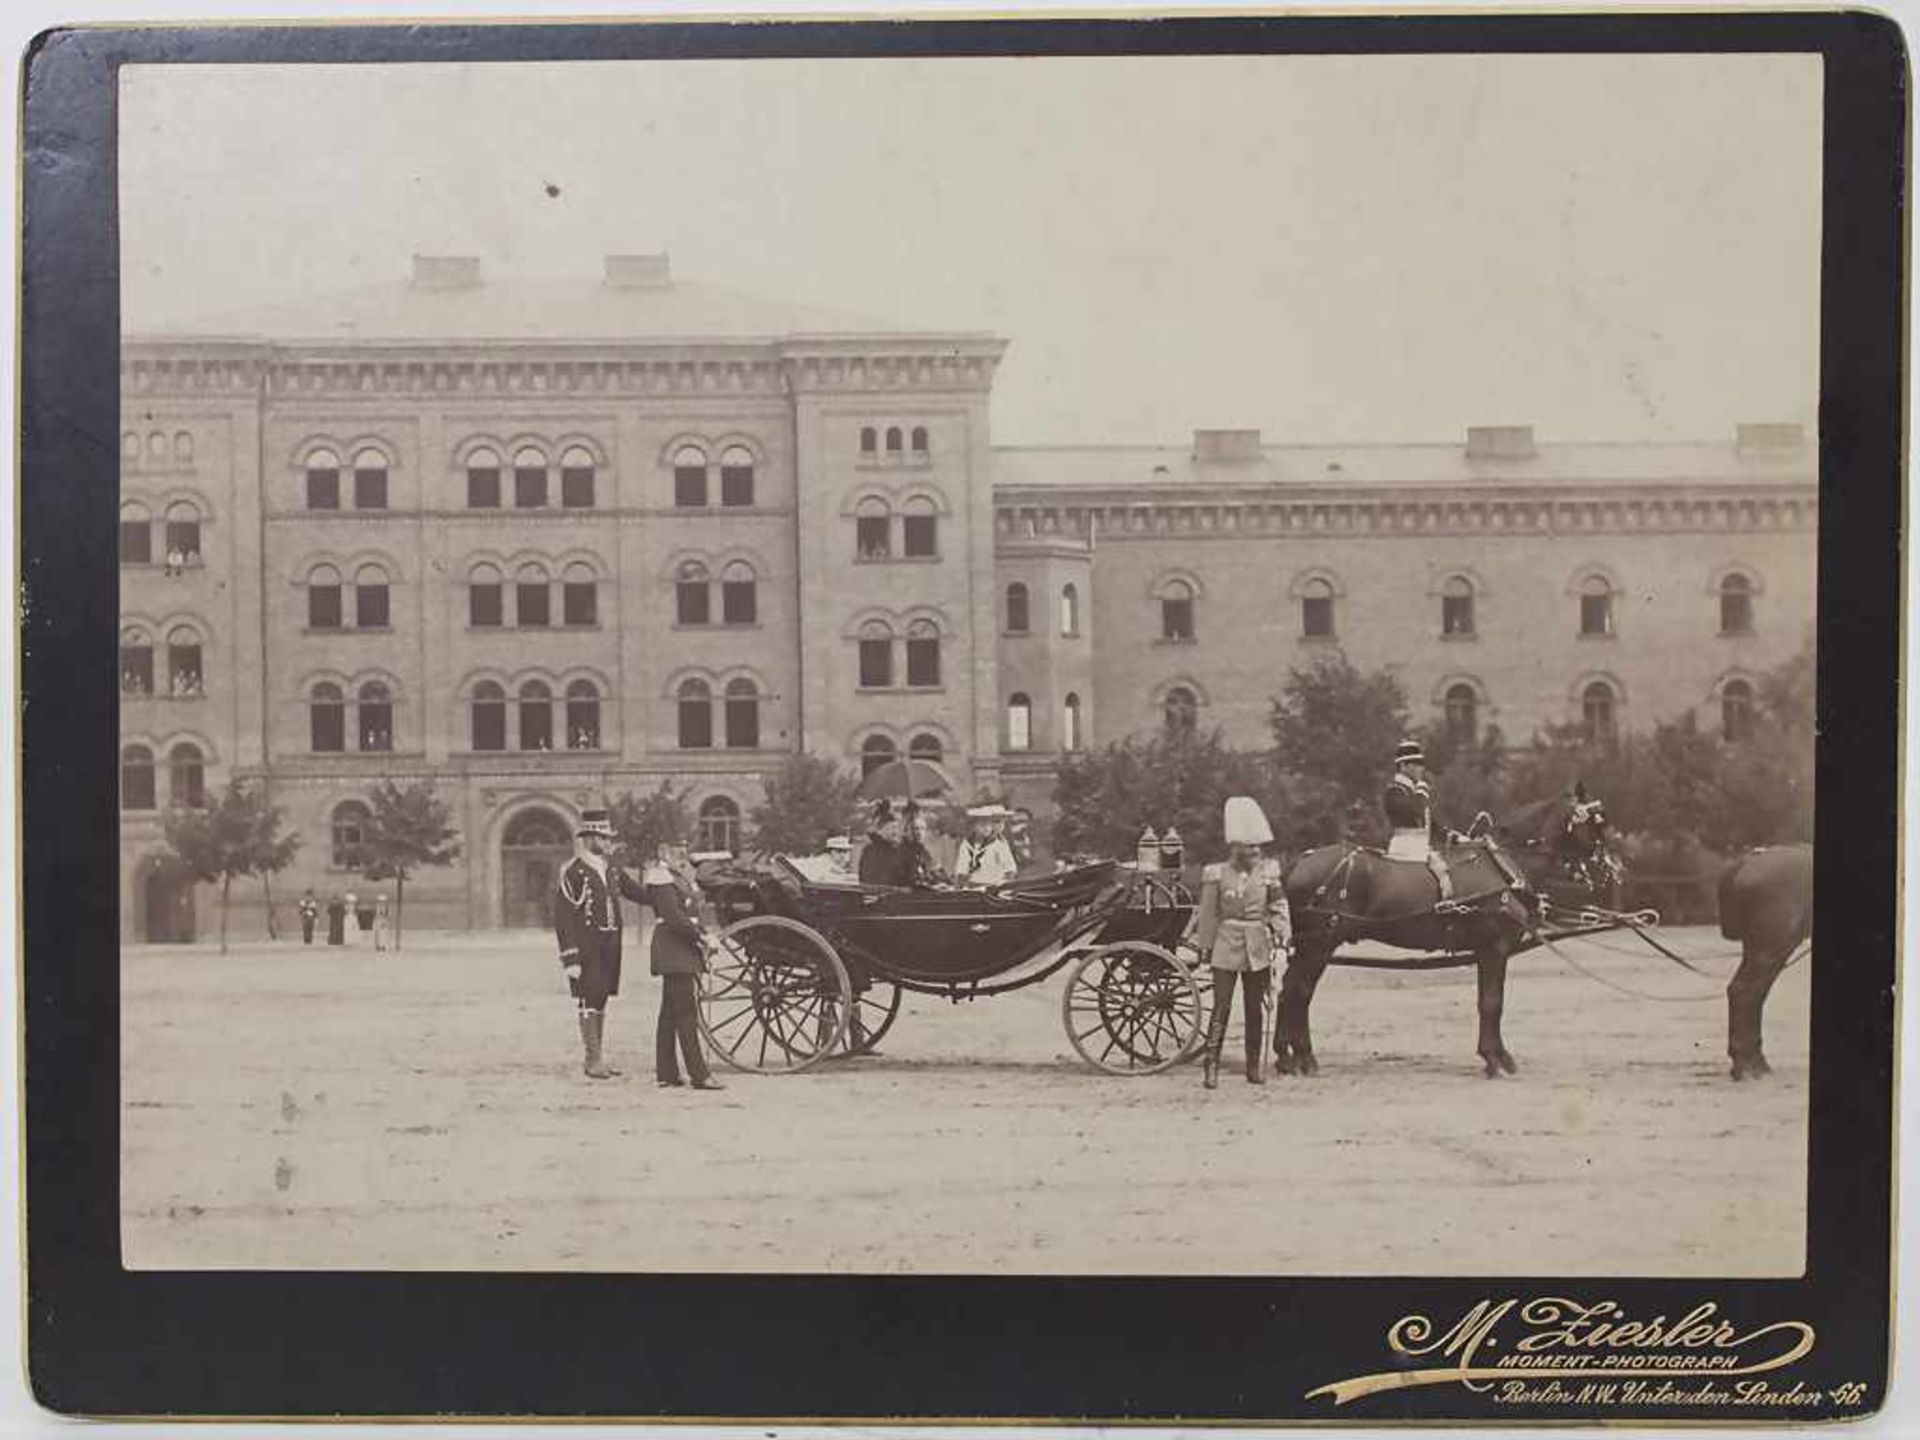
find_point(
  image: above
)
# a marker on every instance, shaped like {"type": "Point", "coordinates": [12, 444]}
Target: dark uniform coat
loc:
{"type": "Point", "coordinates": [676, 935]}
{"type": "Point", "coordinates": [586, 919]}
{"type": "Point", "coordinates": [1409, 804]}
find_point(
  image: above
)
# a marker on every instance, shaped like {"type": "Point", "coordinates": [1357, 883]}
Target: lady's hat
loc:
{"type": "Point", "coordinates": [837, 843]}
{"type": "Point", "coordinates": [595, 822]}
{"type": "Point", "coordinates": [1408, 752]}
{"type": "Point", "coordinates": [1245, 823]}
{"type": "Point", "coordinates": [988, 810]}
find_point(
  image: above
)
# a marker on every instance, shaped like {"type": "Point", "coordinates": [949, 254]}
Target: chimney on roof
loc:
{"type": "Point", "coordinates": [446, 272]}
{"type": "Point", "coordinates": [1769, 439]}
{"type": "Point", "coordinates": [1500, 442]}
{"type": "Point", "coordinates": [1226, 445]}
{"type": "Point", "coordinates": [638, 272]}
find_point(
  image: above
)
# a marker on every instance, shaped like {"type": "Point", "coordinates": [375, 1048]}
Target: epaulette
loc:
{"type": "Point", "coordinates": [1214, 871]}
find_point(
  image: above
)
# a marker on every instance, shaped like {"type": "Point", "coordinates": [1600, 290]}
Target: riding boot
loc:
{"type": "Point", "coordinates": [1217, 1028]}
{"type": "Point", "coordinates": [600, 1034]}
{"type": "Point", "coordinates": [1256, 1016]}
{"type": "Point", "coordinates": [590, 1037]}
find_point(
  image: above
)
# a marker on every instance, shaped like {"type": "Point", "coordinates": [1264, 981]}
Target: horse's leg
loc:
{"type": "Point", "coordinates": [1492, 998]}
{"type": "Point", "coordinates": [1292, 1031]}
{"type": "Point", "coordinates": [1746, 999]}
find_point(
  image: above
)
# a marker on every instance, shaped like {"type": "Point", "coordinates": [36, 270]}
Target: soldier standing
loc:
{"type": "Point", "coordinates": [678, 956]}
{"type": "Point", "coordinates": [586, 919]}
{"type": "Point", "coordinates": [1243, 925]}
{"type": "Point", "coordinates": [309, 916]}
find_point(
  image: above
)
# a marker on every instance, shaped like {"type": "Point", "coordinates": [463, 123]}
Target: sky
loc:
{"type": "Point", "coordinates": [1328, 249]}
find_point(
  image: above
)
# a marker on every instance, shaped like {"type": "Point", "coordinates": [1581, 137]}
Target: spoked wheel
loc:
{"type": "Point", "coordinates": [775, 999]}
{"type": "Point", "coordinates": [875, 1007]}
{"type": "Point", "coordinates": [1131, 1009]}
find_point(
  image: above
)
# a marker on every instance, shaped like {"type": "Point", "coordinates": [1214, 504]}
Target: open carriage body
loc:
{"type": "Point", "coordinates": [803, 969]}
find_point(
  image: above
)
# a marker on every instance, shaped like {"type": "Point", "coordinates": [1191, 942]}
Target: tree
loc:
{"type": "Point", "coordinates": [238, 836]}
{"type": "Point", "coordinates": [407, 829]}
{"type": "Point", "coordinates": [1178, 778]}
{"type": "Point", "coordinates": [1337, 725]}
{"type": "Point", "coordinates": [641, 825]}
{"type": "Point", "coordinates": [808, 799]}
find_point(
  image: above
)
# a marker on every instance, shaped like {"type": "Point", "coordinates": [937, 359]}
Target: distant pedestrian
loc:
{"type": "Point", "coordinates": [336, 921]}
{"type": "Point", "coordinates": [309, 915]}
{"type": "Point", "coordinates": [382, 923]}
{"type": "Point", "coordinates": [354, 928]}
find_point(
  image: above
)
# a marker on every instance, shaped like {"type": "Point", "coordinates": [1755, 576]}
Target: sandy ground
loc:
{"type": "Point", "coordinates": [292, 1108]}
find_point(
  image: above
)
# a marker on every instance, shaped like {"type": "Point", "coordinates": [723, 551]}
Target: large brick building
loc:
{"type": "Point", "coordinates": [546, 543]}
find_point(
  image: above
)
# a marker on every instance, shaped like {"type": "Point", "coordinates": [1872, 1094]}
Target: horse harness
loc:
{"type": "Point", "coordinates": [1340, 881]}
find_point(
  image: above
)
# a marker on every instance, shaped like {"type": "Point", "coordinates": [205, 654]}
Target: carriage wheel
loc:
{"type": "Point", "coordinates": [1131, 1009]}
{"type": "Point", "coordinates": [775, 998]}
{"type": "Point", "coordinates": [875, 1008]}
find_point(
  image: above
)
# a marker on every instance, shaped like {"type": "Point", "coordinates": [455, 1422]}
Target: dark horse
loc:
{"type": "Point", "coordinates": [1766, 903]}
{"type": "Point", "coordinates": [1343, 893]}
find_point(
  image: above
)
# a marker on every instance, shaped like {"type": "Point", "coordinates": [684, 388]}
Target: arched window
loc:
{"type": "Point", "coordinates": [690, 476]}
{"type": "Point", "coordinates": [876, 656]}
{"type": "Point", "coordinates": [576, 478]}
{"type": "Point", "coordinates": [136, 778]}
{"type": "Point", "coordinates": [369, 480]}
{"type": "Point", "coordinates": [536, 716]}
{"type": "Point", "coordinates": [1598, 713]}
{"type": "Point", "coordinates": [323, 480]}
{"type": "Point", "coordinates": [183, 532]}
{"type": "Point", "coordinates": [376, 716]}
{"type": "Point", "coordinates": [579, 595]}
{"type": "Point", "coordinates": [347, 830]}
{"type": "Point", "coordinates": [1180, 710]}
{"type": "Point", "coordinates": [136, 534]}
{"type": "Point", "coordinates": [872, 530]}
{"type": "Point", "coordinates": [370, 609]}
{"type": "Point", "coordinates": [1019, 721]}
{"type": "Point", "coordinates": [692, 594]}
{"type": "Point", "coordinates": [327, 716]}
{"type": "Point", "coordinates": [156, 445]}
{"type": "Point", "coordinates": [877, 750]}
{"type": "Point", "coordinates": [1596, 606]}
{"type": "Point", "coordinates": [583, 715]}
{"type": "Point", "coordinates": [719, 825]}
{"type": "Point", "coordinates": [184, 675]}
{"type": "Point", "coordinates": [739, 594]}
{"type": "Point", "coordinates": [489, 716]}
{"type": "Point", "coordinates": [323, 599]}
{"type": "Point", "coordinates": [183, 447]}
{"type": "Point", "coordinates": [1176, 611]}
{"type": "Point", "coordinates": [1017, 609]}
{"type": "Point", "coordinates": [736, 476]}
{"type": "Point", "coordinates": [1736, 711]}
{"type": "Point", "coordinates": [894, 444]}
{"type": "Point", "coordinates": [1456, 606]}
{"type": "Point", "coordinates": [742, 715]}
{"type": "Point", "coordinates": [129, 446]}
{"type": "Point", "coordinates": [923, 653]}
{"type": "Point", "coordinates": [532, 597]}
{"type": "Point", "coordinates": [1316, 609]}
{"type": "Point", "coordinates": [696, 715]}
{"type": "Point", "coordinates": [919, 529]}
{"type": "Point", "coordinates": [1736, 605]}
{"type": "Point", "coordinates": [186, 775]}
{"type": "Point", "coordinates": [483, 480]}
{"type": "Point", "coordinates": [1070, 737]}
{"type": "Point", "coordinates": [926, 747]}
{"type": "Point", "coordinates": [529, 479]}
{"type": "Point", "coordinates": [486, 603]}
{"type": "Point", "coordinates": [869, 441]}
{"type": "Point", "coordinates": [1463, 714]}
{"type": "Point", "coordinates": [919, 441]}
{"type": "Point", "coordinates": [136, 661]}
{"type": "Point", "coordinates": [1070, 609]}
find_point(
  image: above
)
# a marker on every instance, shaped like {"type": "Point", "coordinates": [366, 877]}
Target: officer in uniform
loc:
{"type": "Point", "coordinates": [586, 918]}
{"type": "Point", "coordinates": [1408, 801]}
{"type": "Point", "coordinates": [678, 955]}
{"type": "Point", "coordinates": [309, 916]}
{"type": "Point", "coordinates": [1243, 925]}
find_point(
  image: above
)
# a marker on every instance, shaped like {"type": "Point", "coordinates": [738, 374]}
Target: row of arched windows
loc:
{"type": "Point", "coordinates": [186, 776]}
{"type": "Point", "coordinates": [1318, 595]}
{"type": "Point", "coordinates": [532, 479]}
{"type": "Point", "coordinates": [880, 648]}
{"type": "Point", "coordinates": [525, 479]}
{"type": "Point", "coordinates": [895, 443]}
{"type": "Point", "coordinates": [179, 540]}
{"type": "Point", "coordinates": [532, 592]}
{"type": "Point", "coordinates": [159, 448]}
{"type": "Point", "coordinates": [878, 750]}
{"type": "Point", "coordinates": [1020, 735]}
{"type": "Point", "coordinates": [184, 656]}
{"type": "Point", "coordinates": [1019, 611]}
{"type": "Point", "coordinates": [875, 536]}
{"type": "Point", "coordinates": [528, 723]}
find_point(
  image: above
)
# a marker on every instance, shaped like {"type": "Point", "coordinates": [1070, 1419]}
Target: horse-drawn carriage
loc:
{"type": "Point", "coordinates": [803, 969]}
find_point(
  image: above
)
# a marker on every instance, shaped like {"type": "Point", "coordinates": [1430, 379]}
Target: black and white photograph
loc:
{"type": "Point", "coordinates": [1059, 665]}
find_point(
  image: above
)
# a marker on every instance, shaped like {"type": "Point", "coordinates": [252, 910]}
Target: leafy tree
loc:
{"type": "Point", "coordinates": [1337, 725]}
{"type": "Point", "coordinates": [238, 836]}
{"type": "Point", "coordinates": [1467, 778]}
{"type": "Point", "coordinates": [1178, 777]}
{"type": "Point", "coordinates": [642, 823]}
{"type": "Point", "coordinates": [407, 829]}
{"type": "Point", "coordinates": [808, 799]}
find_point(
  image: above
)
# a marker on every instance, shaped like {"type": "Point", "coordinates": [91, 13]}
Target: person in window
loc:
{"type": "Point", "coordinates": [1408, 801]}
{"type": "Point", "coordinates": [176, 560]}
{"type": "Point", "coordinates": [985, 858]}
{"type": "Point", "coordinates": [309, 916]}
{"type": "Point", "coordinates": [586, 922]}
{"type": "Point", "coordinates": [678, 956]}
{"type": "Point", "coordinates": [1242, 926]}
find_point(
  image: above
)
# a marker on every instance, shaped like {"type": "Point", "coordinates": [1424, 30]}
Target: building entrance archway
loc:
{"type": "Point", "coordinates": [166, 905]}
{"type": "Point", "coordinates": [534, 846]}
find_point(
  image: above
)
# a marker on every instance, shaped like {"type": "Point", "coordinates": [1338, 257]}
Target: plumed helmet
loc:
{"type": "Point", "coordinates": [1245, 823]}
